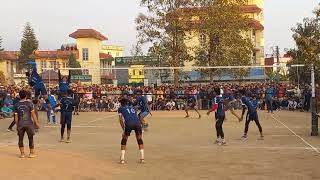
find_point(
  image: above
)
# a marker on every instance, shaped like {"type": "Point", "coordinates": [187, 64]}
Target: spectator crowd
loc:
{"type": "Point", "coordinates": [104, 98]}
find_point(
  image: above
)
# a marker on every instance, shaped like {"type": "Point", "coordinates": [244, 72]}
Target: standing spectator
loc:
{"type": "Point", "coordinates": [269, 98]}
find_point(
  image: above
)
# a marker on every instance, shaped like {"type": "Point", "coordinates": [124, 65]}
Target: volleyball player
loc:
{"type": "Point", "coordinates": [129, 121]}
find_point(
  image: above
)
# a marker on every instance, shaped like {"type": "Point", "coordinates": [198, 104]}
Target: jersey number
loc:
{"type": "Point", "coordinates": [131, 110]}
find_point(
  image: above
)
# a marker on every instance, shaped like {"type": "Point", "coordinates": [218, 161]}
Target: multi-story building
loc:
{"type": "Point", "coordinates": [88, 50]}
{"type": "Point", "coordinates": [254, 9]}
{"type": "Point", "coordinates": [280, 65]}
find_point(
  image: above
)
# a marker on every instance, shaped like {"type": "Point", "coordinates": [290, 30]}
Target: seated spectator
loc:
{"type": "Point", "coordinates": [171, 105]}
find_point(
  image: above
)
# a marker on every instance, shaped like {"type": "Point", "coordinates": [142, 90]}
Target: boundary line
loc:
{"type": "Point", "coordinates": [303, 140]}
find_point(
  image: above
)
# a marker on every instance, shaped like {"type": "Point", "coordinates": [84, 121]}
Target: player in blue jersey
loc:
{"type": "Point", "coordinates": [230, 102]}
{"type": "Point", "coordinates": [66, 106]}
{"type": "Point", "coordinates": [142, 102]}
{"type": "Point", "coordinates": [191, 103]}
{"type": "Point", "coordinates": [64, 83]}
{"type": "Point", "coordinates": [251, 106]}
{"type": "Point", "coordinates": [219, 109]}
{"type": "Point", "coordinates": [36, 82]}
{"type": "Point", "coordinates": [129, 121]}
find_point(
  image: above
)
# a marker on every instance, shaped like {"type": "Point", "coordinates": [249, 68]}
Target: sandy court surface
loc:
{"type": "Point", "coordinates": [176, 148]}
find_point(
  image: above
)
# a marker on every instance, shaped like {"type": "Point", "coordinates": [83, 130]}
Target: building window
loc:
{"type": "Point", "coordinates": [43, 64]}
{"type": "Point", "coordinates": [85, 72]}
{"type": "Point", "coordinates": [202, 40]}
{"type": "Point", "coordinates": [85, 54]}
{"type": "Point", "coordinates": [117, 54]}
{"type": "Point", "coordinates": [254, 58]}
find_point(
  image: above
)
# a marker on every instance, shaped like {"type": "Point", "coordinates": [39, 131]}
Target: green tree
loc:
{"type": "Point", "coordinates": [307, 38]}
{"type": "Point", "coordinates": [224, 41]}
{"type": "Point", "coordinates": [29, 44]}
{"type": "Point", "coordinates": [1, 48]}
{"type": "Point", "coordinates": [73, 63]}
{"type": "Point", "coordinates": [161, 27]}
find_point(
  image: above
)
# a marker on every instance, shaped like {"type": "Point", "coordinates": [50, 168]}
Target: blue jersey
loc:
{"type": "Point", "coordinates": [129, 115]}
{"type": "Point", "coordinates": [191, 100]}
{"type": "Point", "coordinates": [67, 104]}
{"type": "Point", "coordinates": [52, 100]}
{"type": "Point", "coordinates": [220, 109]}
{"type": "Point", "coordinates": [269, 93]}
{"type": "Point", "coordinates": [251, 104]}
{"type": "Point", "coordinates": [35, 79]}
{"type": "Point", "coordinates": [63, 86]}
{"type": "Point", "coordinates": [143, 103]}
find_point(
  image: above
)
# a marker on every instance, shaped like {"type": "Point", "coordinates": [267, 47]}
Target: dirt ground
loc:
{"type": "Point", "coordinates": [176, 148]}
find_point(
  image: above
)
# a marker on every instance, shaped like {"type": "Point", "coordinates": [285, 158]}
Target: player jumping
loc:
{"type": "Point", "coordinates": [36, 82]}
{"type": "Point", "coordinates": [129, 121]}
{"type": "Point", "coordinates": [64, 83]}
{"type": "Point", "coordinates": [26, 120]}
{"type": "Point", "coordinates": [218, 107]}
{"type": "Point", "coordinates": [252, 114]}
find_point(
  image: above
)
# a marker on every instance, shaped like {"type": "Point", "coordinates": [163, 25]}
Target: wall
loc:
{"type": "Point", "coordinates": [93, 63]}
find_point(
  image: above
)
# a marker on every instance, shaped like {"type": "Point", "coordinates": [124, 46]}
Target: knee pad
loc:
{"type": "Point", "coordinates": [140, 141]}
{"type": "Point", "coordinates": [124, 141]}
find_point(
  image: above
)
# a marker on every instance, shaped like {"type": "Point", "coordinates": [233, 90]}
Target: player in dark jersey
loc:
{"type": "Point", "coordinates": [26, 120]}
{"type": "Point", "coordinates": [36, 82]}
{"type": "Point", "coordinates": [64, 83]}
{"type": "Point", "coordinates": [66, 106]}
{"type": "Point", "coordinates": [191, 104]}
{"type": "Point", "coordinates": [230, 102]}
{"type": "Point", "coordinates": [129, 121]}
{"type": "Point", "coordinates": [219, 109]}
{"type": "Point", "coordinates": [252, 115]}
{"type": "Point", "coordinates": [144, 109]}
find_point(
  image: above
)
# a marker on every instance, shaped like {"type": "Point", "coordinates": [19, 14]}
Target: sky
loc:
{"type": "Point", "coordinates": [54, 20]}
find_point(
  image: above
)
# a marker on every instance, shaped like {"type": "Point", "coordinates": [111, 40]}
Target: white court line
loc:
{"type": "Point", "coordinates": [77, 126]}
{"type": "Point", "coordinates": [100, 119]}
{"type": "Point", "coordinates": [303, 140]}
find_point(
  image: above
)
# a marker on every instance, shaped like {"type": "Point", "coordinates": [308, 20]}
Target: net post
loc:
{"type": "Point", "coordinates": [314, 121]}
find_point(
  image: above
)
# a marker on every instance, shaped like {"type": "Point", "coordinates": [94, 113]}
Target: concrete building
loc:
{"type": "Point", "coordinates": [283, 61]}
{"type": "Point", "coordinates": [88, 49]}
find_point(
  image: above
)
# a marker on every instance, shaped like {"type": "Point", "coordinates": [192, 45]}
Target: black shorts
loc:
{"type": "Point", "coordinates": [66, 118]}
{"type": "Point", "coordinates": [26, 129]}
{"type": "Point", "coordinates": [252, 117]}
{"type": "Point", "coordinates": [192, 105]}
{"type": "Point", "coordinates": [134, 127]}
{"type": "Point", "coordinates": [40, 89]}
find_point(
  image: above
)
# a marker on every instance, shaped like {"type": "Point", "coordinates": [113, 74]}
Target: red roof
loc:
{"type": "Point", "coordinates": [9, 55]}
{"type": "Point", "coordinates": [88, 33]}
{"type": "Point", "coordinates": [104, 56]}
{"type": "Point", "coordinates": [58, 54]}
{"type": "Point", "coordinates": [257, 25]}
{"type": "Point", "coordinates": [251, 9]}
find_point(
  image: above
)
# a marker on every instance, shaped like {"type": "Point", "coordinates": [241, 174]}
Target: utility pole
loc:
{"type": "Point", "coordinates": [314, 129]}
{"type": "Point", "coordinates": [278, 63]}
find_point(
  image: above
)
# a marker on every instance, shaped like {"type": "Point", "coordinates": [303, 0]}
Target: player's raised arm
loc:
{"type": "Point", "coordinates": [59, 75]}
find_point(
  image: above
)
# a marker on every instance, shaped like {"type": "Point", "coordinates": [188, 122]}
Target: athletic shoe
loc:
{"type": "Point", "coordinates": [48, 123]}
{"type": "Point", "coordinates": [62, 140]}
{"type": "Point", "coordinates": [217, 141]}
{"type": "Point", "coordinates": [122, 161]}
{"type": "Point", "coordinates": [22, 156]}
{"type": "Point", "coordinates": [199, 116]}
{"type": "Point", "coordinates": [142, 161]}
{"type": "Point", "coordinates": [32, 155]}
{"type": "Point", "coordinates": [10, 130]}
{"type": "Point", "coordinates": [222, 142]}
{"type": "Point", "coordinates": [187, 116]}
{"type": "Point", "coordinates": [68, 141]}
{"type": "Point", "coordinates": [244, 137]}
